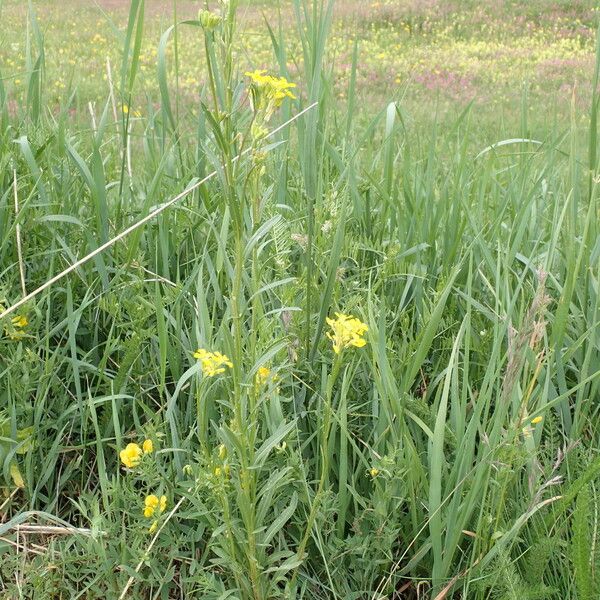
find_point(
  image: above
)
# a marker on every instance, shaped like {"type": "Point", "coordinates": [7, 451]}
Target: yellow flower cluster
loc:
{"type": "Point", "coordinates": [269, 91]}
{"type": "Point", "coordinates": [264, 375]}
{"type": "Point", "coordinates": [212, 363]}
{"type": "Point", "coordinates": [528, 429]}
{"type": "Point", "coordinates": [20, 321]}
{"type": "Point", "coordinates": [346, 331]}
{"type": "Point", "coordinates": [153, 504]}
{"type": "Point", "coordinates": [132, 453]}
{"type": "Point", "coordinates": [17, 325]}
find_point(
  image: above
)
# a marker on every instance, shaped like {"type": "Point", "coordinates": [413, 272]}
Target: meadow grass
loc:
{"type": "Point", "coordinates": [183, 415]}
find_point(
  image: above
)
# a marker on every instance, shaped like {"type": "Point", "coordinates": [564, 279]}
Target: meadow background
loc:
{"type": "Point", "coordinates": [442, 187]}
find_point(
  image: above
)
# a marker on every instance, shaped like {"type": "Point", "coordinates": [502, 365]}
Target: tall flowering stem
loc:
{"type": "Point", "coordinates": [346, 332]}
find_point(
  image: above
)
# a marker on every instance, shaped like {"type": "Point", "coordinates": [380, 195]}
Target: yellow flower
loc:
{"type": "Point", "coordinates": [153, 504]}
{"type": "Point", "coordinates": [536, 420]}
{"type": "Point", "coordinates": [212, 363]}
{"type": "Point", "coordinates": [148, 447]}
{"type": "Point", "coordinates": [135, 113]}
{"type": "Point", "coordinates": [218, 471]}
{"type": "Point", "coordinates": [346, 331]}
{"type": "Point", "coordinates": [270, 89]}
{"type": "Point", "coordinates": [262, 375]}
{"type": "Point", "coordinates": [373, 472]}
{"type": "Point", "coordinates": [20, 321]}
{"type": "Point", "coordinates": [130, 456]}
{"type": "Point", "coordinates": [153, 527]}
{"type": "Point", "coordinates": [150, 505]}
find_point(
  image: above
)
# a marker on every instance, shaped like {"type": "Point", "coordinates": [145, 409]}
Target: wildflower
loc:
{"type": "Point", "coordinates": [148, 447]}
{"type": "Point", "coordinates": [20, 321]}
{"type": "Point", "coordinates": [130, 456]}
{"type": "Point", "coordinates": [153, 527]}
{"type": "Point", "coordinates": [153, 504]}
{"type": "Point", "coordinates": [269, 91]}
{"type": "Point", "coordinates": [126, 110]}
{"type": "Point", "coordinates": [218, 471]}
{"type": "Point", "coordinates": [347, 331]}
{"type": "Point", "coordinates": [212, 363]}
{"type": "Point", "coordinates": [262, 375]}
{"type": "Point", "coordinates": [536, 420]}
{"type": "Point", "coordinates": [373, 472]}
{"type": "Point", "coordinates": [15, 330]}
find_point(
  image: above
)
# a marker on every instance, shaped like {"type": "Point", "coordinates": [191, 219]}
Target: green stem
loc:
{"type": "Point", "coordinates": [324, 445]}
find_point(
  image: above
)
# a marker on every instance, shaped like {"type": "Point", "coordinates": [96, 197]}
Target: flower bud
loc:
{"type": "Point", "coordinates": [209, 20]}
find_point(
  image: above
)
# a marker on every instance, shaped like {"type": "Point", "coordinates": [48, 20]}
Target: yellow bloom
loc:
{"type": "Point", "coordinates": [153, 527]}
{"type": "Point", "coordinates": [262, 375]}
{"type": "Point", "coordinates": [148, 447]}
{"type": "Point", "coordinates": [373, 472]}
{"type": "Point", "coordinates": [150, 505]}
{"type": "Point", "coordinates": [270, 89]}
{"type": "Point", "coordinates": [218, 471]}
{"type": "Point", "coordinates": [130, 456]}
{"type": "Point", "coordinates": [126, 109]}
{"type": "Point", "coordinates": [20, 321]}
{"type": "Point", "coordinates": [17, 324]}
{"type": "Point", "coordinates": [536, 420]}
{"type": "Point", "coordinates": [153, 504]}
{"type": "Point", "coordinates": [212, 363]}
{"type": "Point", "coordinates": [346, 331]}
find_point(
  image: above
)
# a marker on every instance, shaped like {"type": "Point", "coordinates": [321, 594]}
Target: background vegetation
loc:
{"type": "Point", "coordinates": [441, 186]}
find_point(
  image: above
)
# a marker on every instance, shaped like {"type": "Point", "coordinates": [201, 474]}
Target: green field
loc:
{"type": "Point", "coordinates": [299, 300]}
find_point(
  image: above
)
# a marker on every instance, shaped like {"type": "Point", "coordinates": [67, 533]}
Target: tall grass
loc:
{"type": "Point", "coordinates": [455, 455]}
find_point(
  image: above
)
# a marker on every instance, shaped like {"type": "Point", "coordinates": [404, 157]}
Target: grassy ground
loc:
{"type": "Point", "coordinates": [434, 56]}
{"type": "Point", "coordinates": [443, 191]}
